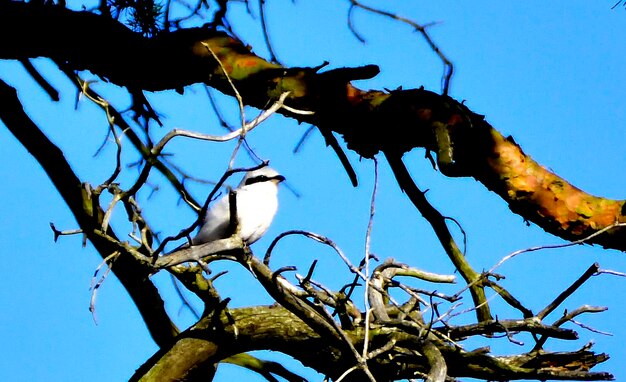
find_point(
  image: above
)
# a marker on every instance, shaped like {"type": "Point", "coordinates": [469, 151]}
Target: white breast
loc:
{"type": "Point", "coordinates": [256, 207]}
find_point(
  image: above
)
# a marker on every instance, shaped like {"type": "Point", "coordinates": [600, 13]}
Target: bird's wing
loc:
{"type": "Point", "coordinates": [216, 222]}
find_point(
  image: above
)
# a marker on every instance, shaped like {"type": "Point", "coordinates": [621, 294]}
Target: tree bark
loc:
{"type": "Point", "coordinates": [131, 274]}
{"type": "Point", "coordinates": [275, 328]}
{"type": "Point", "coordinates": [393, 122]}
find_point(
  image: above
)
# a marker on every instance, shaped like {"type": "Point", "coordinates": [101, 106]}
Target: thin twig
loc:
{"type": "Point", "coordinates": [187, 231]}
{"type": "Point", "coordinates": [555, 246]}
{"type": "Point", "coordinates": [58, 233]}
{"type": "Point", "coordinates": [225, 123]}
{"type": "Point", "coordinates": [132, 136]}
{"type": "Point", "coordinates": [422, 29]}
{"type": "Point", "coordinates": [242, 112]}
{"type": "Point", "coordinates": [246, 127]}
{"type": "Point", "coordinates": [347, 372]}
{"type": "Point", "coordinates": [303, 139]}
{"type": "Point", "coordinates": [368, 237]}
{"type": "Point", "coordinates": [95, 285]}
{"type": "Point", "coordinates": [610, 272]}
{"type": "Point", "coordinates": [105, 105]}
{"type": "Point", "coordinates": [590, 328]}
{"type": "Point", "coordinates": [183, 298]}
{"type": "Point", "coordinates": [266, 34]}
{"type": "Point", "coordinates": [352, 27]}
{"type": "Point", "coordinates": [566, 317]}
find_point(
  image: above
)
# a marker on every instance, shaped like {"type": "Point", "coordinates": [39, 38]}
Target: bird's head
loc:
{"type": "Point", "coordinates": [265, 174]}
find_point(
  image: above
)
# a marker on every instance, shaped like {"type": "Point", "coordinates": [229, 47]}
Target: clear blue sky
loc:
{"type": "Point", "coordinates": [550, 75]}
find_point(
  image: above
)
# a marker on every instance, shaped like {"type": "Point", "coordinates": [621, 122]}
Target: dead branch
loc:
{"type": "Point", "coordinates": [130, 273]}
{"type": "Point", "coordinates": [364, 119]}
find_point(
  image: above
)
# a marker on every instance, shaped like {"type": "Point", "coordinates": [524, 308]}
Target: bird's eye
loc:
{"type": "Point", "coordinates": [256, 179]}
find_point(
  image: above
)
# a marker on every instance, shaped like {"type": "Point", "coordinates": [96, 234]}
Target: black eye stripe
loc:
{"type": "Point", "coordinates": [256, 179]}
{"type": "Point", "coordinates": [262, 178]}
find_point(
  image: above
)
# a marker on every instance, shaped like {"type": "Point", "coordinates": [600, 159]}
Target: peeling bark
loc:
{"type": "Point", "coordinates": [370, 122]}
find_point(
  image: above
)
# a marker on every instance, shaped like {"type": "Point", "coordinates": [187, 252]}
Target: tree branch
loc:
{"type": "Point", "coordinates": [131, 274]}
{"type": "Point", "coordinates": [372, 121]}
{"type": "Point", "coordinates": [216, 338]}
{"type": "Point", "coordinates": [438, 222]}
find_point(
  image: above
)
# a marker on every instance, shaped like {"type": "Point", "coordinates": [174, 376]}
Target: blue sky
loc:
{"type": "Point", "coordinates": [550, 75]}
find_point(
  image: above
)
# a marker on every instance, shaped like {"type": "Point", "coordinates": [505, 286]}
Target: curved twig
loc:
{"type": "Point", "coordinates": [246, 127]}
{"type": "Point", "coordinates": [555, 246]}
{"type": "Point", "coordinates": [266, 35]}
{"type": "Point", "coordinates": [422, 29]}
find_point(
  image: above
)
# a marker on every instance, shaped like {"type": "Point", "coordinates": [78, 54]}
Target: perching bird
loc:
{"type": "Point", "coordinates": [257, 202]}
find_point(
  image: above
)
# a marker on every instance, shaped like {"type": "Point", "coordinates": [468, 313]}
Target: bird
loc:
{"type": "Point", "coordinates": [257, 203]}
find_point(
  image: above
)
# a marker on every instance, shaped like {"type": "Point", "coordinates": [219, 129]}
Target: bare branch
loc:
{"type": "Point", "coordinates": [438, 368]}
{"type": "Point", "coordinates": [266, 34]}
{"type": "Point", "coordinates": [130, 273]}
{"type": "Point", "coordinates": [610, 272]}
{"type": "Point", "coordinates": [183, 298]}
{"type": "Point", "coordinates": [58, 233]}
{"type": "Point", "coordinates": [41, 81]}
{"type": "Point", "coordinates": [567, 317]}
{"type": "Point", "coordinates": [206, 252]}
{"type": "Point", "coordinates": [530, 325]}
{"type": "Point", "coordinates": [242, 112]}
{"type": "Point", "coordinates": [95, 285]}
{"type": "Point", "coordinates": [368, 235]}
{"type": "Point", "coordinates": [592, 270]}
{"type": "Point", "coordinates": [246, 127]}
{"type": "Point", "coordinates": [437, 221]}
{"type": "Point", "coordinates": [145, 152]}
{"type": "Point", "coordinates": [422, 29]}
{"type": "Point", "coordinates": [555, 246]}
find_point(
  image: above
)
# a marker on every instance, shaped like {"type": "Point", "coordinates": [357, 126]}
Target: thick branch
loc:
{"type": "Point", "coordinates": [274, 328]}
{"type": "Point", "coordinates": [133, 276]}
{"type": "Point", "coordinates": [370, 122]}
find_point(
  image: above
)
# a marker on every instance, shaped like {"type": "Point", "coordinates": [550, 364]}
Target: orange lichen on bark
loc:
{"type": "Point", "coordinates": [556, 204]}
{"type": "Point", "coordinates": [238, 61]}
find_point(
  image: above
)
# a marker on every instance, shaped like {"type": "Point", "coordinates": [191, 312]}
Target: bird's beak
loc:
{"type": "Point", "coordinates": [278, 178]}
